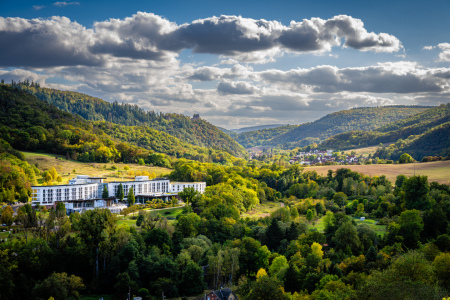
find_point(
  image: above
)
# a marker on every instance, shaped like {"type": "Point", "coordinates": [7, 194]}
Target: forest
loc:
{"type": "Point", "coordinates": [283, 255]}
{"type": "Point", "coordinates": [26, 123]}
{"type": "Point", "coordinates": [195, 132]}
{"type": "Point", "coordinates": [363, 119]}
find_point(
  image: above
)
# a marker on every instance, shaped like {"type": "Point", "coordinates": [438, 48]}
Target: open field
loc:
{"type": "Point", "coordinates": [438, 171]}
{"type": "Point", "coordinates": [367, 150]}
{"type": "Point", "coordinates": [167, 212]}
{"type": "Point", "coordinates": [65, 167]}
{"type": "Point", "coordinates": [261, 210]}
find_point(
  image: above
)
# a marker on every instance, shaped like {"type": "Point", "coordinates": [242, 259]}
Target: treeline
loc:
{"type": "Point", "coordinates": [29, 124]}
{"type": "Point", "coordinates": [421, 135]}
{"type": "Point", "coordinates": [195, 132]}
{"type": "Point", "coordinates": [364, 119]}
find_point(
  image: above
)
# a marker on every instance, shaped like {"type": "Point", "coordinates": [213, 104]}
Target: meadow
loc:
{"type": "Point", "coordinates": [438, 171]}
{"type": "Point", "coordinates": [65, 168]}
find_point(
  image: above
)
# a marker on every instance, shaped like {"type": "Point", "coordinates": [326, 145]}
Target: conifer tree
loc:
{"type": "Point", "coordinates": [131, 199]}
{"type": "Point", "coordinates": [120, 194]}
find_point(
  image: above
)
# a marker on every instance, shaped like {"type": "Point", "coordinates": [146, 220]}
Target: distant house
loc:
{"type": "Point", "coordinates": [223, 294]}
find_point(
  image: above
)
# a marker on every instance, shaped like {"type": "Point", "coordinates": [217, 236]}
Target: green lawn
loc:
{"type": "Point", "coordinates": [380, 229]}
{"type": "Point", "coordinates": [168, 213]}
{"type": "Point", "coordinates": [319, 225]}
{"type": "Point", "coordinates": [126, 221]}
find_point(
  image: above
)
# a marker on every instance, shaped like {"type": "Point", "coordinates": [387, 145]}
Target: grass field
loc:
{"type": "Point", "coordinates": [65, 167]}
{"type": "Point", "coordinates": [261, 210]}
{"type": "Point", "coordinates": [438, 171]}
{"type": "Point", "coordinates": [366, 151]}
{"type": "Point", "coordinates": [167, 212]}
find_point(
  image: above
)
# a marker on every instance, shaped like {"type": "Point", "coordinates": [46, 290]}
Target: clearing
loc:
{"type": "Point", "coordinates": [66, 168]}
{"type": "Point", "coordinates": [438, 171]}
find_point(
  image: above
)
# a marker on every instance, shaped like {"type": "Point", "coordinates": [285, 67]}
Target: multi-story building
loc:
{"type": "Point", "coordinates": [85, 192]}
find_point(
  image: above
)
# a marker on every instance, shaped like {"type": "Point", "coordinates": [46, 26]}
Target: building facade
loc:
{"type": "Point", "coordinates": [85, 192]}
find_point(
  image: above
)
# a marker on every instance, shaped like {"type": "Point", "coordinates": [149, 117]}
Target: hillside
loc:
{"type": "Point", "coordinates": [255, 128]}
{"type": "Point", "coordinates": [366, 118]}
{"type": "Point", "coordinates": [261, 137]}
{"type": "Point", "coordinates": [195, 132]}
{"type": "Point", "coordinates": [28, 124]}
{"type": "Point", "coordinates": [424, 134]}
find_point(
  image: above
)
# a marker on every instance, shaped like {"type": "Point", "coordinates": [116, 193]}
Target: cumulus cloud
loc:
{"type": "Point", "coordinates": [428, 47]}
{"type": "Point", "coordinates": [136, 37]}
{"type": "Point", "coordinates": [238, 87]}
{"type": "Point", "coordinates": [445, 52]}
{"type": "Point", "coordinates": [401, 77]}
{"type": "Point", "coordinates": [38, 7]}
{"type": "Point", "coordinates": [321, 35]}
{"type": "Point", "coordinates": [45, 43]}
{"type": "Point", "coordinates": [57, 41]}
{"type": "Point", "coordinates": [213, 73]}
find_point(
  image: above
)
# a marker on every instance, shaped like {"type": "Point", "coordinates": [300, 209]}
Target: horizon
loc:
{"type": "Point", "coordinates": [237, 65]}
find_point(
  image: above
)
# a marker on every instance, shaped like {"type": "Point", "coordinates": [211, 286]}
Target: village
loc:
{"type": "Point", "coordinates": [324, 157]}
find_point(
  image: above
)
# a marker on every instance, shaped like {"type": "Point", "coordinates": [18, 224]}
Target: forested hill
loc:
{"type": "Point", "coordinates": [424, 134]}
{"type": "Point", "coordinates": [366, 118]}
{"type": "Point", "coordinates": [26, 123]}
{"type": "Point", "coordinates": [261, 137]}
{"type": "Point", "coordinates": [195, 132]}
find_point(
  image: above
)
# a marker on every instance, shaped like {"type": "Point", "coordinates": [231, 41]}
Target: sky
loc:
{"type": "Point", "coordinates": [236, 63]}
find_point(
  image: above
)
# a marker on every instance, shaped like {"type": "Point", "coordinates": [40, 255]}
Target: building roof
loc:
{"type": "Point", "coordinates": [223, 294]}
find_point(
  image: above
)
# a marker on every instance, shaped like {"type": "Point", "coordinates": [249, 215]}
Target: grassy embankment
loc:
{"type": "Point", "coordinates": [65, 168]}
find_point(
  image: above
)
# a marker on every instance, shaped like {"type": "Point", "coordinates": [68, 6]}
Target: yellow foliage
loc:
{"type": "Point", "coordinates": [262, 272]}
{"type": "Point", "coordinates": [317, 250]}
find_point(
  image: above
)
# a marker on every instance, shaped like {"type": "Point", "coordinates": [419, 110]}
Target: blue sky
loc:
{"type": "Point", "coordinates": [250, 67]}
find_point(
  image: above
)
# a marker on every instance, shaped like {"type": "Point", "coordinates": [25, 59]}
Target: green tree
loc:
{"type": "Point", "coordinates": [347, 236]}
{"type": "Point", "coordinates": [441, 265]}
{"type": "Point", "coordinates": [60, 286]}
{"type": "Point", "coordinates": [274, 235]}
{"type": "Point", "coordinates": [120, 194]}
{"type": "Point", "coordinates": [131, 199]}
{"type": "Point", "coordinates": [340, 199]}
{"type": "Point", "coordinates": [309, 215]}
{"type": "Point", "coordinates": [411, 225]}
{"type": "Point", "coordinates": [278, 267]}
{"type": "Point", "coordinates": [7, 216]}
{"type": "Point", "coordinates": [405, 158]}
{"type": "Point", "coordinates": [95, 226]}
{"type": "Point", "coordinates": [294, 213]}
{"type": "Point", "coordinates": [191, 280]}
{"type": "Point", "coordinates": [189, 195]}
{"type": "Point", "coordinates": [265, 288]}
{"type": "Point", "coordinates": [416, 193]}
{"type": "Point", "coordinates": [105, 193]}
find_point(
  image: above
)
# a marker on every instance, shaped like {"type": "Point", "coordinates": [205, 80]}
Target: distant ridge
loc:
{"type": "Point", "coordinates": [365, 118]}
{"type": "Point", "coordinates": [254, 128]}
{"type": "Point", "coordinates": [424, 134]}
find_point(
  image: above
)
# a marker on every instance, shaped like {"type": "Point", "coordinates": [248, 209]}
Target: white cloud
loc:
{"type": "Point", "coordinates": [445, 52]}
{"type": "Point", "coordinates": [428, 47]}
{"type": "Point", "coordinates": [63, 3]}
{"type": "Point", "coordinates": [238, 87]}
{"type": "Point", "coordinates": [38, 7]}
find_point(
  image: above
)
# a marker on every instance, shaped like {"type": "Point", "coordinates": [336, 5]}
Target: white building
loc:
{"type": "Point", "coordinates": [85, 192]}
